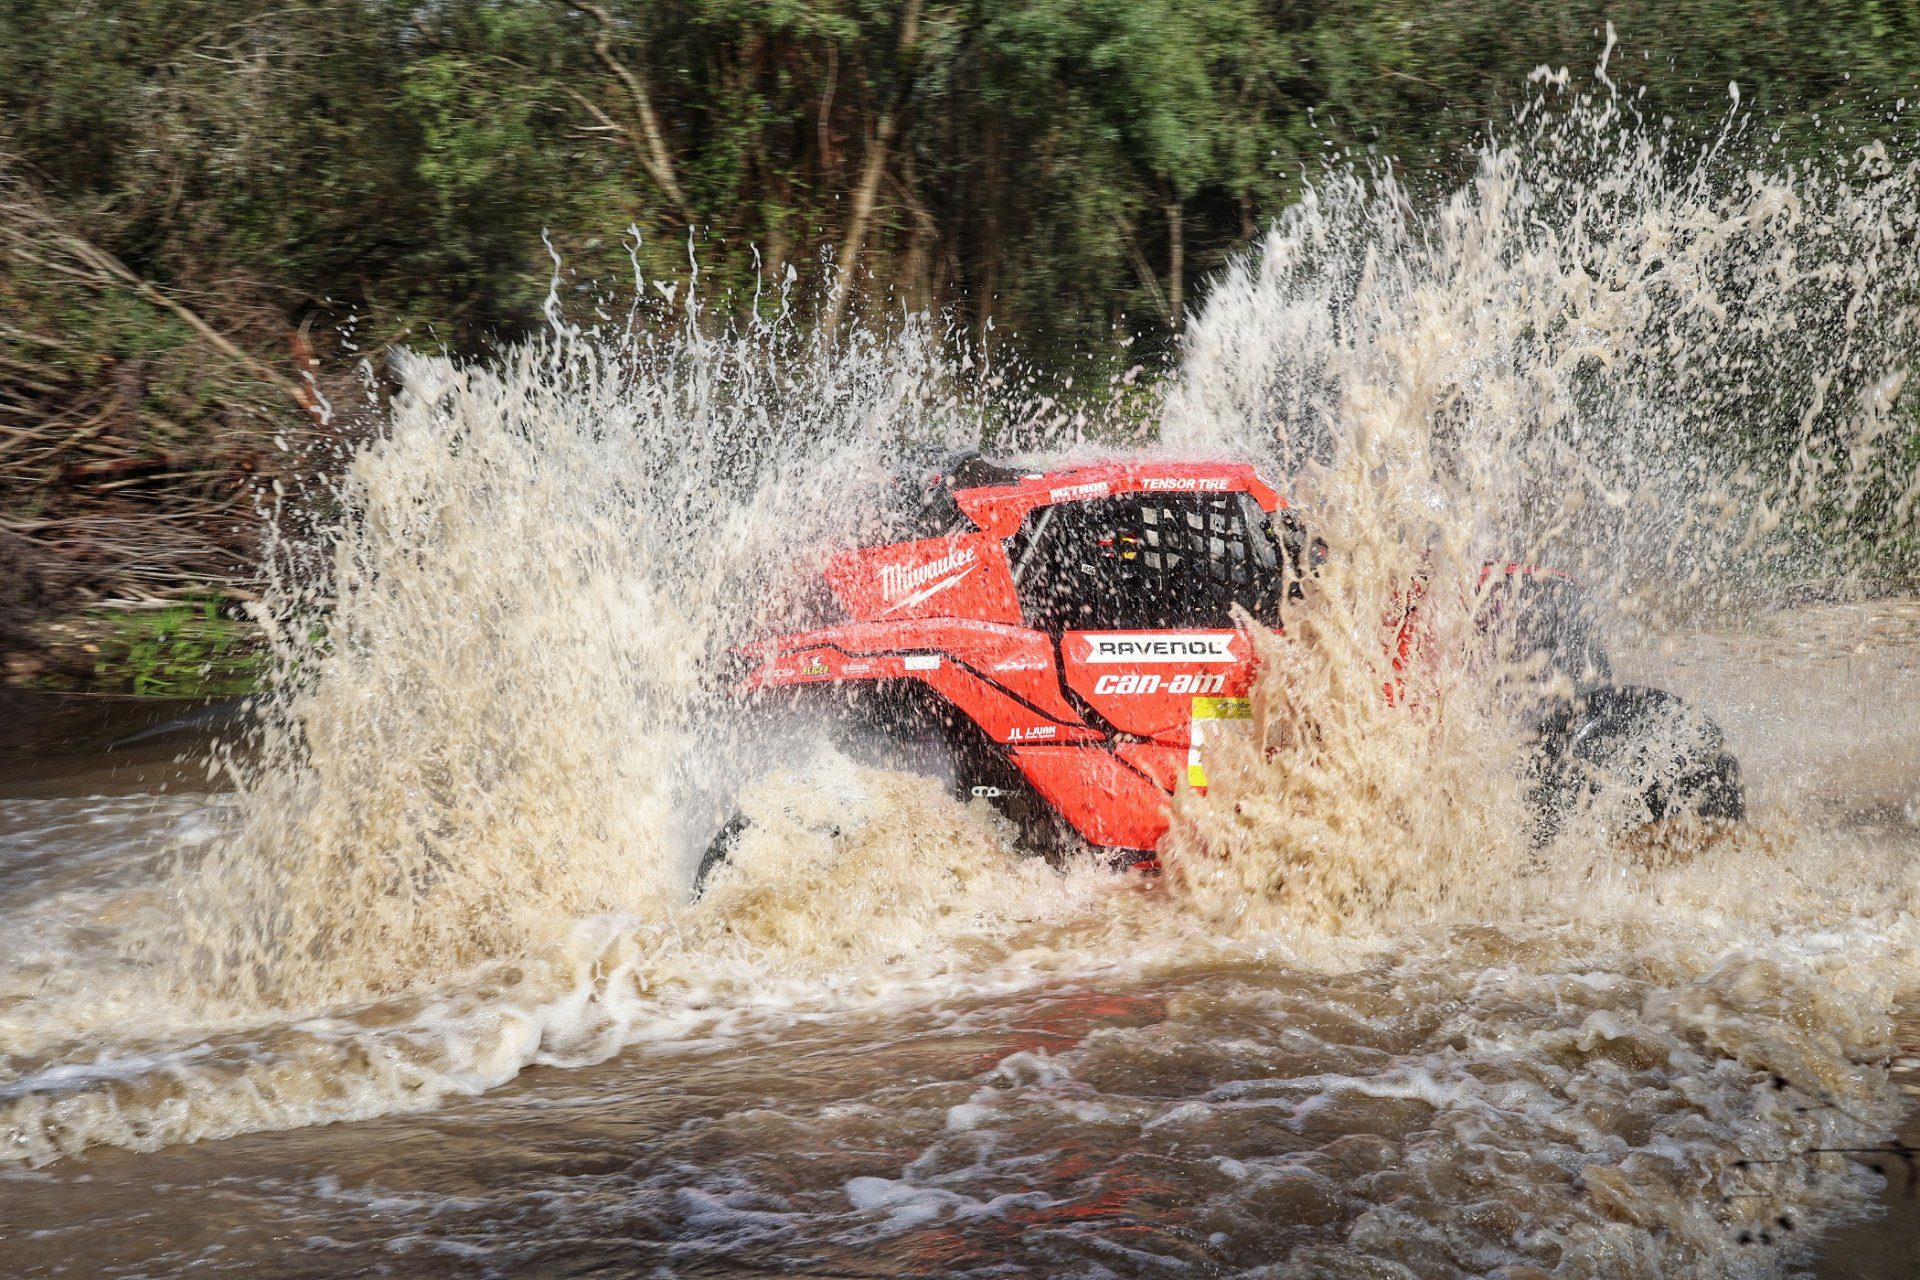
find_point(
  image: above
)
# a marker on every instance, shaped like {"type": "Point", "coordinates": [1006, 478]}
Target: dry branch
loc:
{"type": "Point", "coordinates": [872, 167]}
{"type": "Point", "coordinates": [651, 146]}
{"type": "Point", "coordinates": [102, 498]}
{"type": "Point", "coordinates": [19, 217]}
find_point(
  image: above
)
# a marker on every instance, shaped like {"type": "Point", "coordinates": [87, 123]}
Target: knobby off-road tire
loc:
{"type": "Point", "coordinates": [1636, 755]}
{"type": "Point", "coordinates": [907, 728]}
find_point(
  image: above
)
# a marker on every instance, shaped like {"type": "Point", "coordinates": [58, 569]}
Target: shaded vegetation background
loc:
{"type": "Point", "coordinates": [210, 209]}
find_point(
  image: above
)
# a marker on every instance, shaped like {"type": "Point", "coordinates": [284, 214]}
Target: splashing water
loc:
{"type": "Point", "coordinates": [1674, 376]}
{"type": "Point", "coordinates": [460, 840]}
{"type": "Point", "coordinates": [541, 562]}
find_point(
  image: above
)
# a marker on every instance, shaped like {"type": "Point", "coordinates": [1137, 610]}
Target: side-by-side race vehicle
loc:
{"type": "Point", "coordinates": [1064, 643]}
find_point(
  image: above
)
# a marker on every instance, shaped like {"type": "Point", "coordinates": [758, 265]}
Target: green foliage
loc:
{"type": "Point", "coordinates": [187, 650]}
{"type": "Point", "coordinates": [1054, 175]}
{"type": "Point", "coordinates": [400, 161]}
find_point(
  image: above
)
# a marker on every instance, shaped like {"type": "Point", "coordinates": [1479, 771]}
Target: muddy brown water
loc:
{"type": "Point", "coordinates": [1526, 1097]}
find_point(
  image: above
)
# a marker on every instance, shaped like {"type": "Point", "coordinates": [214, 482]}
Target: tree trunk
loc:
{"type": "Point", "coordinates": [917, 271]}
{"type": "Point", "coordinates": [651, 146]}
{"type": "Point", "coordinates": [867, 192]}
{"type": "Point", "coordinates": [1176, 265]}
{"type": "Point", "coordinates": [1148, 281]}
{"type": "Point", "coordinates": [988, 252]}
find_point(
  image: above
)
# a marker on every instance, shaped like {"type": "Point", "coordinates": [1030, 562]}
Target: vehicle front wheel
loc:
{"type": "Point", "coordinates": [719, 849]}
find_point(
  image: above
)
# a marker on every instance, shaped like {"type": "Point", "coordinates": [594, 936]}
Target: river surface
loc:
{"type": "Point", "coordinates": [1538, 1095]}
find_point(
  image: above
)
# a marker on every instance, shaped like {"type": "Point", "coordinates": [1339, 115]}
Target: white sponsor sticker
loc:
{"type": "Point", "coordinates": [898, 578]}
{"type": "Point", "coordinates": [1073, 492]}
{"type": "Point", "coordinates": [921, 662]}
{"type": "Point", "coordinates": [1159, 647]}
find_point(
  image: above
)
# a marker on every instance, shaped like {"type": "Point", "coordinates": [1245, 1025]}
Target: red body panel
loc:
{"type": "Point", "coordinates": [999, 509]}
{"type": "Point", "coordinates": [1165, 764]}
{"type": "Point", "coordinates": [963, 576]}
{"type": "Point", "coordinates": [1110, 803]}
{"type": "Point", "coordinates": [1002, 677]}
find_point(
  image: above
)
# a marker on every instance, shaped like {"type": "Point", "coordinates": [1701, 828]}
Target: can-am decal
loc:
{"type": "Point", "coordinates": [1186, 484]}
{"type": "Point", "coordinates": [1143, 682]}
{"type": "Point", "coordinates": [1074, 492]}
{"type": "Point", "coordinates": [1159, 648]}
{"type": "Point", "coordinates": [898, 579]}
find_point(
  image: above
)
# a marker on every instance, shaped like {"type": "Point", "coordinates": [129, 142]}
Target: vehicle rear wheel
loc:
{"type": "Point", "coordinates": [1632, 755]}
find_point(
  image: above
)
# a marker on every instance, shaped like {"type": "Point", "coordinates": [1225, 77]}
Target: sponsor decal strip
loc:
{"type": "Point", "coordinates": [1186, 484]}
{"type": "Point", "coordinates": [934, 590]}
{"type": "Point", "coordinates": [1206, 726]}
{"type": "Point", "coordinates": [1148, 682]}
{"type": "Point", "coordinates": [1160, 647]}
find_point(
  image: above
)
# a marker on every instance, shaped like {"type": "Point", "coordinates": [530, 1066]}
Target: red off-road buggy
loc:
{"type": "Point", "coordinates": [1062, 643]}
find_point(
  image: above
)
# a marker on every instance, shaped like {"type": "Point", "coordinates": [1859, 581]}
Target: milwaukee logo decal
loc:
{"type": "Point", "coordinates": [1160, 648]}
{"type": "Point", "coordinates": [900, 579]}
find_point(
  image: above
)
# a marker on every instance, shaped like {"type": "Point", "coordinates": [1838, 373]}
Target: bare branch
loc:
{"type": "Point", "coordinates": [652, 146]}
{"type": "Point", "coordinates": [874, 165]}
{"type": "Point", "coordinates": [1147, 278]}
{"type": "Point", "coordinates": [104, 266]}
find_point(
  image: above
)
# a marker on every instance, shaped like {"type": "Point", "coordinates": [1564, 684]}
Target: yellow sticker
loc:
{"type": "Point", "coordinates": [1210, 717]}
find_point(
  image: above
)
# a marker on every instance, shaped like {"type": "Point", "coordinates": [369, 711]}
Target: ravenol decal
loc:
{"type": "Point", "coordinates": [1160, 648]}
{"type": "Point", "coordinates": [1211, 718]}
{"type": "Point", "coordinates": [896, 579]}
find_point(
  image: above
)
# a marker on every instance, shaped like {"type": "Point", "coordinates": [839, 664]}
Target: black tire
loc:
{"type": "Point", "coordinates": [719, 850]}
{"type": "Point", "coordinates": [908, 728]}
{"type": "Point", "coordinates": [1643, 752]}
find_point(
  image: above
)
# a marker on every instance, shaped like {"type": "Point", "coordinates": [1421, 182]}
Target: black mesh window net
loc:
{"type": "Point", "coordinates": [1147, 561]}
